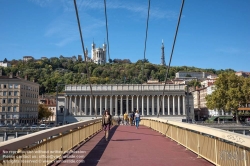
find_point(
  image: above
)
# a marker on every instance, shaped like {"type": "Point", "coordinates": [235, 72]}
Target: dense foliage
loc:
{"type": "Point", "coordinates": [231, 92]}
{"type": "Point", "coordinates": [49, 72]}
{"type": "Point", "coordinates": [44, 112]}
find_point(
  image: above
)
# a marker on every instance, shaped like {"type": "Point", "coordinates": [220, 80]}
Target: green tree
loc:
{"type": "Point", "coordinates": [43, 112]}
{"type": "Point", "coordinates": [229, 93]}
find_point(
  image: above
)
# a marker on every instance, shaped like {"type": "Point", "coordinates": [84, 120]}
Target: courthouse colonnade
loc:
{"type": "Point", "coordinates": [122, 98]}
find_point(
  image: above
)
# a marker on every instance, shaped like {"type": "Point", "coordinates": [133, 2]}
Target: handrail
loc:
{"type": "Point", "coordinates": [21, 142]}
{"type": "Point", "coordinates": [239, 139]}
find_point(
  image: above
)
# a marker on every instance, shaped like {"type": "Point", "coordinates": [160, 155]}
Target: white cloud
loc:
{"type": "Point", "coordinates": [230, 50]}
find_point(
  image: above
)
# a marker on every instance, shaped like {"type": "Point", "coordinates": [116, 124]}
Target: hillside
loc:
{"type": "Point", "coordinates": [49, 72]}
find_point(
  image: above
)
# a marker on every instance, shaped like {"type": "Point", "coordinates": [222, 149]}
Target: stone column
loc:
{"type": "Point", "coordinates": [106, 102]}
{"type": "Point", "coordinates": [168, 105]}
{"type": "Point", "coordinates": [100, 105]}
{"type": "Point", "coordinates": [184, 105]}
{"type": "Point", "coordinates": [70, 104]}
{"type": "Point", "coordinates": [121, 105]}
{"type": "Point", "coordinates": [66, 106]}
{"type": "Point", "coordinates": [76, 106]}
{"type": "Point", "coordinates": [85, 105]}
{"type": "Point", "coordinates": [132, 102]}
{"type": "Point", "coordinates": [111, 105]}
{"type": "Point", "coordinates": [163, 105]}
{"type": "Point", "coordinates": [116, 108]}
{"type": "Point", "coordinates": [147, 105]}
{"type": "Point", "coordinates": [137, 103]}
{"type": "Point", "coordinates": [127, 103]}
{"type": "Point", "coordinates": [173, 105]}
{"type": "Point", "coordinates": [158, 104]}
{"type": "Point", "coordinates": [142, 105]}
{"type": "Point", "coordinates": [90, 106]}
{"type": "Point", "coordinates": [95, 105]}
{"type": "Point", "coordinates": [153, 105]}
{"type": "Point", "coordinates": [80, 113]}
{"type": "Point", "coordinates": [179, 110]}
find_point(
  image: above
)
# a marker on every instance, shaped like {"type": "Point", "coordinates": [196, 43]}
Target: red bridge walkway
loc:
{"type": "Point", "coordinates": [130, 146]}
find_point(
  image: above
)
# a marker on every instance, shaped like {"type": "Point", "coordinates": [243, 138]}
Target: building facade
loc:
{"type": "Point", "coordinates": [149, 99]}
{"type": "Point", "coordinates": [27, 58]}
{"type": "Point", "coordinates": [5, 64]}
{"type": "Point", "coordinates": [18, 100]}
{"type": "Point", "coordinates": [50, 103]}
{"type": "Point", "coordinates": [198, 75]}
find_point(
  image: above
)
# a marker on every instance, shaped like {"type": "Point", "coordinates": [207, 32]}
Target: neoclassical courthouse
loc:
{"type": "Point", "coordinates": [122, 98]}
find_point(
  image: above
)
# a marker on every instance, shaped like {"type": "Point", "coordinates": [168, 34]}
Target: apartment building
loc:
{"type": "Point", "coordinates": [18, 100]}
{"type": "Point", "coordinates": [200, 108]}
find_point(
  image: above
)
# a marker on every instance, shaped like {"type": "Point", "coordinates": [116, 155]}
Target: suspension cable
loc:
{"type": "Point", "coordinates": [107, 33]}
{"type": "Point", "coordinates": [167, 73]}
{"type": "Point", "coordinates": [145, 46]}
{"type": "Point", "coordinates": [85, 56]}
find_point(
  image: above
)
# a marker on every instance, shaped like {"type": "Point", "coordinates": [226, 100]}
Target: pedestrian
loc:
{"type": "Point", "coordinates": [106, 124]}
{"type": "Point", "coordinates": [130, 118]}
{"type": "Point", "coordinates": [133, 117]}
{"type": "Point", "coordinates": [125, 118]}
{"type": "Point", "coordinates": [137, 119]}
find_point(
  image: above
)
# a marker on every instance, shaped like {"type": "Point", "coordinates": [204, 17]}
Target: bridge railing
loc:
{"type": "Point", "coordinates": [44, 147]}
{"type": "Point", "coordinates": [215, 145]}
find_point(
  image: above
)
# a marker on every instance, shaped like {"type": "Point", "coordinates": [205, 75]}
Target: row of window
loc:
{"type": "Point", "coordinates": [10, 86]}
{"type": "Point", "coordinates": [24, 109]}
{"type": "Point", "coordinates": [31, 95]}
{"type": "Point", "coordinates": [10, 116]}
{"type": "Point", "coordinates": [9, 101]}
{"type": "Point", "coordinates": [16, 101]}
{"type": "Point", "coordinates": [29, 88]}
{"type": "Point", "coordinates": [25, 101]}
{"type": "Point", "coordinates": [15, 109]}
{"type": "Point", "coordinates": [9, 109]}
{"type": "Point", "coordinates": [10, 93]}
{"type": "Point", "coordinates": [15, 86]}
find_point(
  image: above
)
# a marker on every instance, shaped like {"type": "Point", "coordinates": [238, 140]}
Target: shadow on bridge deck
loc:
{"type": "Point", "coordinates": [131, 146]}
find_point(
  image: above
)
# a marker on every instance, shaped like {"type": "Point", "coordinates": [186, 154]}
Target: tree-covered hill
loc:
{"type": "Point", "coordinates": [49, 72]}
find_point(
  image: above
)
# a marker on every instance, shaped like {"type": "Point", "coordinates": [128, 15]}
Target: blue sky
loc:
{"type": "Point", "coordinates": [212, 33]}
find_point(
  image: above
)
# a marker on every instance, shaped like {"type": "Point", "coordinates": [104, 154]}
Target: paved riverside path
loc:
{"type": "Point", "coordinates": [129, 146]}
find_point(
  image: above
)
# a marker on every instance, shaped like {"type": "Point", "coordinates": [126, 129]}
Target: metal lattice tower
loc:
{"type": "Point", "coordinates": [162, 55]}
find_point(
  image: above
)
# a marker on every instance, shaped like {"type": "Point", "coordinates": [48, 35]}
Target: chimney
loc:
{"type": "Point", "coordinates": [26, 77]}
{"type": "Point", "coordinates": [11, 75]}
{"type": "Point", "coordinates": [1, 72]}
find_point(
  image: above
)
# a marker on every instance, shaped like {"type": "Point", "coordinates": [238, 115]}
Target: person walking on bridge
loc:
{"type": "Point", "coordinates": [106, 123]}
{"type": "Point", "coordinates": [137, 119]}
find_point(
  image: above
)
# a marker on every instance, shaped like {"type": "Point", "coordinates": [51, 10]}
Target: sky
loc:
{"type": "Point", "coordinates": [212, 33]}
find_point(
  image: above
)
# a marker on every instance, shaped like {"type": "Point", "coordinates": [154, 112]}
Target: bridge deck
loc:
{"type": "Point", "coordinates": [131, 146]}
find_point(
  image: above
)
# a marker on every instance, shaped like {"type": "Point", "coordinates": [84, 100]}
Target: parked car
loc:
{"type": "Point", "coordinates": [42, 126]}
{"type": "Point", "coordinates": [2, 125]}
